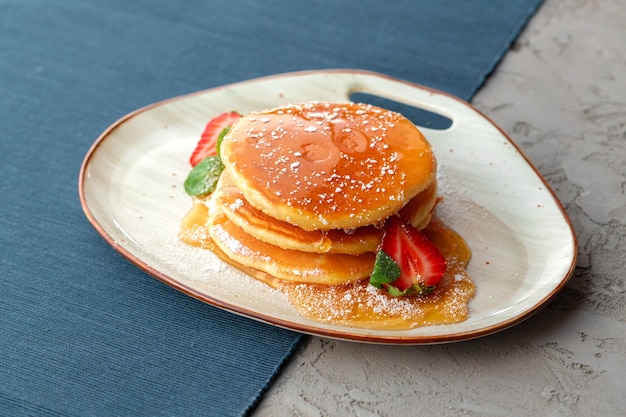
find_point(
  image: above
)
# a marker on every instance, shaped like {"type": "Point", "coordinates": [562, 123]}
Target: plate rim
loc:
{"type": "Point", "coordinates": [311, 329]}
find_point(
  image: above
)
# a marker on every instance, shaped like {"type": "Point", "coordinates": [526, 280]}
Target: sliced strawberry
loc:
{"type": "Point", "coordinates": [207, 146]}
{"type": "Point", "coordinates": [407, 262]}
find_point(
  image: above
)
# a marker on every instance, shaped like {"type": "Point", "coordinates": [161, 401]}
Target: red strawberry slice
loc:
{"type": "Point", "coordinates": [207, 146]}
{"type": "Point", "coordinates": [420, 263]}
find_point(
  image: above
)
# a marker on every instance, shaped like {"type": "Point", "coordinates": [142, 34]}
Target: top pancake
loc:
{"type": "Point", "coordinates": [323, 166]}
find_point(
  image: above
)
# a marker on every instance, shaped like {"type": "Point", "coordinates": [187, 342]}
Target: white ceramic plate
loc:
{"type": "Point", "coordinates": [523, 246]}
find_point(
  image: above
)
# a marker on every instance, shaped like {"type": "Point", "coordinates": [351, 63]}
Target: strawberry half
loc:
{"type": "Point", "coordinates": [407, 263]}
{"type": "Point", "coordinates": [207, 146]}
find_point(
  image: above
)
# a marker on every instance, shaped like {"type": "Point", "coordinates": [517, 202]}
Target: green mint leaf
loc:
{"type": "Point", "coordinates": [202, 179]}
{"type": "Point", "coordinates": [386, 270]}
{"type": "Point", "coordinates": [395, 292]}
{"type": "Point", "coordinates": [422, 289]}
{"type": "Point", "coordinates": [220, 138]}
{"type": "Point", "coordinates": [415, 289]}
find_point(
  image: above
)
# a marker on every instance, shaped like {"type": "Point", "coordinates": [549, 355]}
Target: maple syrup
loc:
{"type": "Point", "coordinates": [358, 304]}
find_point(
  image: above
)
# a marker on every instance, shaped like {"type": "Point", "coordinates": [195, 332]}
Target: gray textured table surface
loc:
{"type": "Point", "coordinates": [561, 95]}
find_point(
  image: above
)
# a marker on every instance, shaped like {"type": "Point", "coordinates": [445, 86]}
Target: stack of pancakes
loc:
{"type": "Point", "coordinates": [307, 188]}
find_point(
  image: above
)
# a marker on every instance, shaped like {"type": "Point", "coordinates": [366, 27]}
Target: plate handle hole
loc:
{"type": "Point", "coordinates": [418, 116]}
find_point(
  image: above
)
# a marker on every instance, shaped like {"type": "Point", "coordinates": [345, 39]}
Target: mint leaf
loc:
{"type": "Point", "coordinates": [386, 270]}
{"type": "Point", "coordinates": [415, 289]}
{"type": "Point", "coordinates": [220, 138]}
{"type": "Point", "coordinates": [202, 179]}
{"type": "Point", "coordinates": [395, 292]}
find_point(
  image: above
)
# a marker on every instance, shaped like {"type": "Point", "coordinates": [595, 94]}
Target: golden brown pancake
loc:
{"type": "Point", "coordinates": [287, 236]}
{"type": "Point", "coordinates": [323, 166]}
{"type": "Point", "coordinates": [420, 208]}
{"type": "Point", "coordinates": [290, 265]}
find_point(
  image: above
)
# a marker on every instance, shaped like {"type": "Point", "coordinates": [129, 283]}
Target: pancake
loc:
{"type": "Point", "coordinates": [289, 265]}
{"type": "Point", "coordinates": [419, 210]}
{"type": "Point", "coordinates": [287, 236]}
{"type": "Point", "coordinates": [324, 166]}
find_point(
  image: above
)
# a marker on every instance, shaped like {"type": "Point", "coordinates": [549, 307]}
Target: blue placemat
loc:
{"type": "Point", "coordinates": [83, 332]}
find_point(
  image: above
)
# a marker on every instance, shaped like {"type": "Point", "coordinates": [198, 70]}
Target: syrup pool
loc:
{"type": "Point", "coordinates": [359, 304]}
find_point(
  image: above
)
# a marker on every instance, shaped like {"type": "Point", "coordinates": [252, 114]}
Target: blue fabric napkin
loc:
{"type": "Point", "coordinates": [82, 331]}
